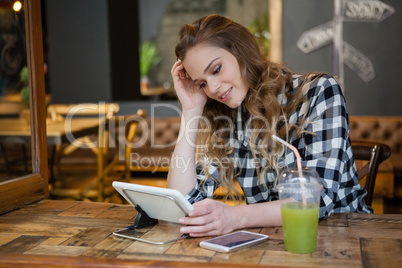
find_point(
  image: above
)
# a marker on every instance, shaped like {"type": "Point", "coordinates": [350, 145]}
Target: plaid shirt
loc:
{"type": "Point", "coordinates": [328, 151]}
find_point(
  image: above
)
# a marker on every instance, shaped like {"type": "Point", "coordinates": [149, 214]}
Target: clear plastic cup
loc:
{"type": "Point", "coordinates": [301, 208]}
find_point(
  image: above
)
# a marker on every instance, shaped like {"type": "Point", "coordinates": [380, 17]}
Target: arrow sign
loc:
{"type": "Point", "coordinates": [332, 31]}
{"type": "Point", "coordinates": [358, 63]}
{"type": "Point", "coordinates": [366, 10]}
{"type": "Point", "coordinates": [352, 10]}
{"type": "Point", "coordinates": [316, 37]}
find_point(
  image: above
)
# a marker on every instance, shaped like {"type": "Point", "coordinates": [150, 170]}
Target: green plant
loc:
{"type": "Point", "coordinates": [148, 57]}
{"type": "Point", "coordinates": [260, 29]}
{"type": "Point", "coordinates": [25, 89]}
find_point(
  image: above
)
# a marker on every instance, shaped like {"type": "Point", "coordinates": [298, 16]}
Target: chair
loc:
{"type": "Point", "coordinates": [58, 112]}
{"type": "Point", "coordinates": [375, 153]}
{"type": "Point", "coordinates": [121, 137]}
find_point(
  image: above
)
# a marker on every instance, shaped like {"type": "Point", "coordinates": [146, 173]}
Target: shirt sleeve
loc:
{"type": "Point", "coordinates": [204, 186]}
{"type": "Point", "coordinates": [326, 147]}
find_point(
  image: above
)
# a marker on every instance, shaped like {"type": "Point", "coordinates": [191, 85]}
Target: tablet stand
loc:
{"type": "Point", "coordinates": [142, 219]}
{"type": "Point", "coordinates": [118, 233]}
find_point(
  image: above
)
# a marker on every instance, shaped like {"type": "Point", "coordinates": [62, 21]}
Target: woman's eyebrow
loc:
{"type": "Point", "coordinates": [209, 65]}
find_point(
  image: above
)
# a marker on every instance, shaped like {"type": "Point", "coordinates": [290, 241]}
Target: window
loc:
{"type": "Point", "coordinates": [20, 191]}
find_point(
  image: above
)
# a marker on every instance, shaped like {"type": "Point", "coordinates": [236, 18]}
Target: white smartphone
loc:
{"type": "Point", "coordinates": [233, 241]}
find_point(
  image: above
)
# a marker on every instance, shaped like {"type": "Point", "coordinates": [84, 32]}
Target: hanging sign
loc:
{"type": "Point", "coordinates": [358, 63]}
{"type": "Point", "coordinates": [324, 34]}
{"type": "Point", "coordinates": [316, 37]}
{"type": "Point", "coordinates": [366, 10]}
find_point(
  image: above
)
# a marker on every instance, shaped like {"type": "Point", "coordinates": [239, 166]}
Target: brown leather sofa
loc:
{"type": "Point", "coordinates": [162, 133]}
{"type": "Point", "coordinates": [387, 130]}
{"type": "Point", "coordinates": [153, 147]}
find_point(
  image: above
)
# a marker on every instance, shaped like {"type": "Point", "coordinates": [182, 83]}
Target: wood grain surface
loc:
{"type": "Point", "coordinates": [74, 234]}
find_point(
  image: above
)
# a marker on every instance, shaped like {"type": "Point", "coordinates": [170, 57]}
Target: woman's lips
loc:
{"type": "Point", "coordinates": [225, 96]}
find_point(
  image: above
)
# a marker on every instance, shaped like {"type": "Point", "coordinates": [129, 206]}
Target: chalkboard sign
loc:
{"type": "Point", "coordinates": [368, 57]}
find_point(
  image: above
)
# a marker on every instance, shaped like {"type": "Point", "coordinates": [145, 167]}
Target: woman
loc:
{"type": "Point", "coordinates": [233, 100]}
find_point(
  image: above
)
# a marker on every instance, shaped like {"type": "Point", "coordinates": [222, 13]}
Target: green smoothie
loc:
{"type": "Point", "coordinates": [300, 224]}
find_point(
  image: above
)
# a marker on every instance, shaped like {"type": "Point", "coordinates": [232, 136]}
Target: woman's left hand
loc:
{"type": "Point", "coordinates": [210, 217]}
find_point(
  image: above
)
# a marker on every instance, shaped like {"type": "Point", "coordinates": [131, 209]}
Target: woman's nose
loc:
{"type": "Point", "coordinates": [214, 86]}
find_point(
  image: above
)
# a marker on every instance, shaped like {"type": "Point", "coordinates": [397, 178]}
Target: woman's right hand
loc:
{"type": "Point", "coordinates": [192, 100]}
{"type": "Point", "coordinates": [189, 94]}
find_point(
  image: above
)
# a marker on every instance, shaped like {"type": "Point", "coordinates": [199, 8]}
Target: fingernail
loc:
{"type": "Point", "coordinates": [181, 220]}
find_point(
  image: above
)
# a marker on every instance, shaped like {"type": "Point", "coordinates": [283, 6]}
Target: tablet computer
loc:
{"type": "Point", "coordinates": [159, 203]}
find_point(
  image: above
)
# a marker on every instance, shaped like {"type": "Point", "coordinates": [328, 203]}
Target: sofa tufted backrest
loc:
{"type": "Point", "coordinates": [162, 132]}
{"type": "Point", "coordinates": [387, 130]}
{"type": "Point", "coordinates": [165, 130]}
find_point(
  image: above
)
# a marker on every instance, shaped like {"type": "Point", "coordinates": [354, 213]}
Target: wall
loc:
{"type": "Point", "coordinates": [78, 61]}
{"type": "Point", "coordinates": [92, 58]}
{"type": "Point", "coordinates": [381, 42]}
{"type": "Point", "coordinates": [92, 50]}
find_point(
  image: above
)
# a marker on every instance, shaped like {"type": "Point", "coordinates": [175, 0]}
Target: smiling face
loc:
{"type": "Point", "coordinates": [217, 72]}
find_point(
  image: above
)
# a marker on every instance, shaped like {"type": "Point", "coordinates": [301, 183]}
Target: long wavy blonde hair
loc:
{"type": "Point", "coordinates": [265, 80]}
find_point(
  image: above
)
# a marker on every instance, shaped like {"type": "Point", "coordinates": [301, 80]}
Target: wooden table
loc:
{"type": "Point", "coordinates": [77, 234]}
{"type": "Point", "coordinates": [18, 130]}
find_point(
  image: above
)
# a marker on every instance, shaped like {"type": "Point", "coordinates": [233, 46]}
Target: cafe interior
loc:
{"type": "Point", "coordinates": [87, 98]}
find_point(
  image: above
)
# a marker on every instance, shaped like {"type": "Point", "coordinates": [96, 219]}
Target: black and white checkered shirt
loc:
{"type": "Point", "coordinates": [328, 151]}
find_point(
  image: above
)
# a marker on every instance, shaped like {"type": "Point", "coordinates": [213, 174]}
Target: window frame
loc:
{"type": "Point", "coordinates": [20, 191]}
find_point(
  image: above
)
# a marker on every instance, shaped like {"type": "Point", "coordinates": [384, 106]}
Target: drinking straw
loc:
{"type": "Point", "coordinates": [298, 159]}
{"type": "Point", "coordinates": [298, 162]}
